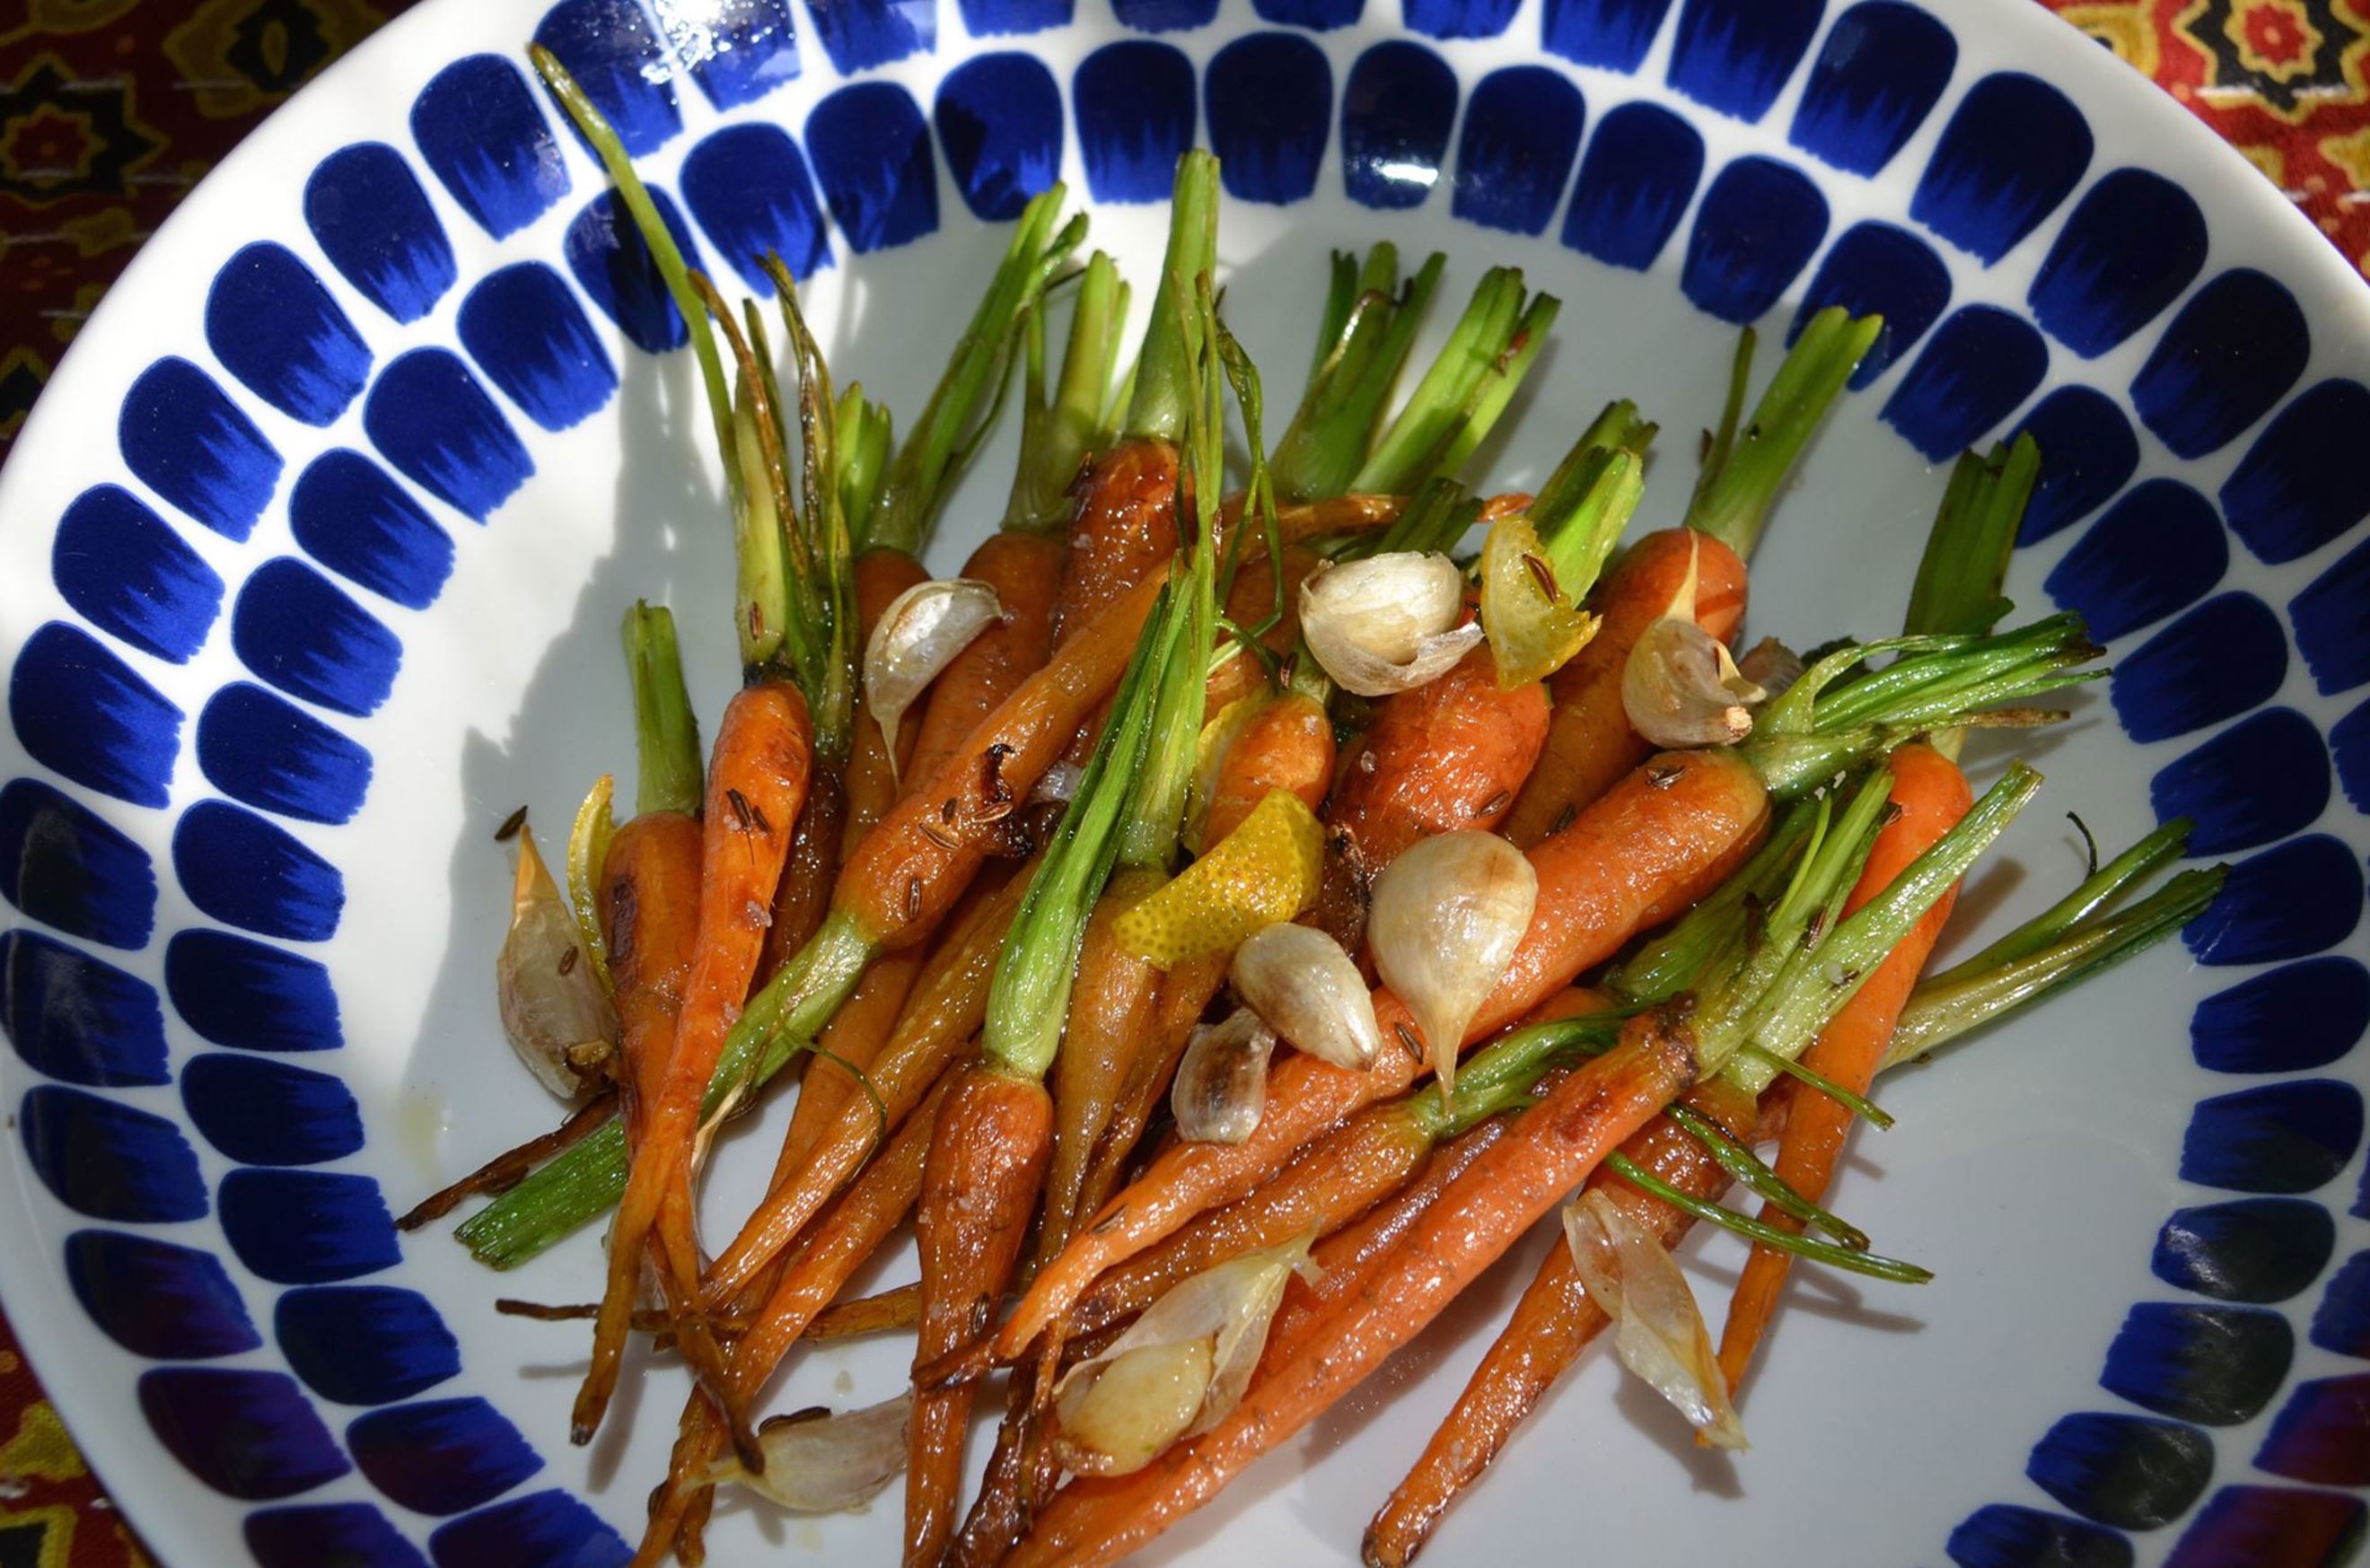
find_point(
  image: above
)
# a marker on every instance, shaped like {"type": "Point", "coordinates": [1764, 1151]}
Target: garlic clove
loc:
{"type": "Point", "coordinates": [1680, 688]}
{"type": "Point", "coordinates": [1659, 1334]}
{"type": "Point", "coordinates": [1446, 916]}
{"type": "Point", "coordinates": [827, 1464]}
{"type": "Point", "coordinates": [554, 1011]}
{"type": "Point", "coordinates": [1308, 991]}
{"type": "Point", "coordinates": [917, 637]}
{"type": "Point", "coordinates": [1221, 1084]}
{"type": "Point", "coordinates": [1389, 622]}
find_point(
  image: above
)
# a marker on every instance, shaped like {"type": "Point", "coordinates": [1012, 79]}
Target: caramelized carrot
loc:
{"type": "Point", "coordinates": [1026, 572]}
{"type": "Point", "coordinates": [650, 917]}
{"type": "Point", "coordinates": [1286, 743]}
{"type": "Point", "coordinates": [1589, 741]}
{"type": "Point", "coordinates": [1112, 1010]}
{"type": "Point", "coordinates": [874, 777]}
{"type": "Point", "coordinates": [1450, 754]}
{"type": "Point", "coordinates": [1122, 528]}
{"type": "Point", "coordinates": [1931, 796]}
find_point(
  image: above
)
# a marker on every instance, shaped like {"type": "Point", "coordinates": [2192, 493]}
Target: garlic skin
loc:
{"type": "Point", "coordinates": [1309, 992]}
{"type": "Point", "coordinates": [827, 1464]}
{"type": "Point", "coordinates": [917, 637]}
{"type": "Point", "coordinates": [1221, 1085]}
{"type": "Point", "coordinates": [1680, 688]}
{"type": "Point", "coordinates": [1772, 666]}
{"type": "Point", "coordinates": [554, 1010]}
{"type": "Point", "coordinates": [1446, 916]}
{"type": "Point", "coordinates": [1659, 1334]}
{"type": "Point", "coordinates": [1387, 622]}
{"type": "Point", "coordinates": [1179, 1370]}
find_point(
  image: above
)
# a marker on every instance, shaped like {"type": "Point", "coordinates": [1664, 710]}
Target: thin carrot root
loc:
{"type": "Point", "coordinates": [509, 1168]}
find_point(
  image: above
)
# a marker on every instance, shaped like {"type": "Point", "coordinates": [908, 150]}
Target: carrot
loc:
{"type": "Point", "coordinates": [1286, 742]}
{"type": "Point", "coordinates": [873, 775]}
{"type": "Point", "coordinates": [803, 895]}
{"type": "Point", "coordinates": [1931, 796]}
{"type": "Point", "coordinates": [1450, 754]}
{"type": "Point", "coordinates": [1658, 842]}
{"type": "Point", "coordinates": [1508, 1186]}
{"type": "Point", "coordinates": [649, 912]}
{"type": "Point", "coordinates": [1588, 743]}
{"type": "Point", "coordinates": [884, 1311]}
{"type": "Point", "coordinates": [1552, 1324]}
{"type": "Point", "coordinates": [1249, 601]}
{"type": "Point", "coordinates": [1111, 1017]}
{"type": "Point", "coordinates": [1026, 572]}
{"type": "Point", "coordinates": [980, 1183]}
{"type": "Point", "coordinates": [1185, 993]}
{"type": "Point", "coordinates": [1124, 527]}
{"type": "Point", "coordinates": [756, 786]}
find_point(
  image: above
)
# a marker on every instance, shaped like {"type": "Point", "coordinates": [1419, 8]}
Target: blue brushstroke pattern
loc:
{"type": "Point", "coordinates": [76, 1018]}
{"type": "Point", "coordinates": [1317, 16]}
{"type": "Point", "coordinates": [2299, 898]}
{"type": "Point", "coordinates": [2088, 451]}
{"type": "Point", "coordinates": [1136, 113]}
{"type": "Point", "coordinates": [2349, 741]}
{"type": "Point", "coordinates": [252, 1435]}
{"type": "Point", "coordinates": [2283, 500]}
{"type": "Point", "coordinates": [428, 415]}
{"type": "Point", "coordinates": [2129, 1472]}
{"type": "Point", "coordinates": [871, 153]}
{"type": "Point", "coordinates": [80, 711]}
{"type": "Point", "coordinates": [2263, 778]}
{"type": "Point", "coordinates": [2232, 353]}
{"type": "Point", "coordinates": [1877, 268]}
{"type": "Point", "coordinates": [1522, 133]}
{"type": "Point", "coordinates": [241, 869]}
{"type": "Point", "coordinates": [610, 258]}
{"type": "Point", "coordinates": [739, 51]}
{"type": "Point", "coordinates": [1004, 19]}
{"type": "Point", "coordinates": [274, 327]}
{"type": "Point", "coordinates": [1269, 101]}
{"type": "Point", "coordinates": [2270, 1526]}
{"type": "Point", "coordinates": [1879, 73]}
{"type": "Point", "coordinates": [2341, 1322]}
{"type": "Point", "coordinates": [2218, 660]}
{"type": "Point", "coordinates": [1615, 34]}
{"type": "Point", "coordinates": [156, 1300]}
{"type": "Point", "coordinates": [306, 1226]}
{"type": "Point", "coordinates": [347, 1535]}
{"type": "Point", "coordinates": [1977, 367]}
{"type": "Point", "coordinates": [1397, 108]}
{"type": "Point", "coordinates": [2002, 1535]}
{"type": "Point", "coordinates": [1635, 182]}
{"type": "Point", "coordinates": [608, 47]}
{"type": "Point", "coordinates": [544, 1530]}
{"type": "Point", "coordinates": [2331, 618]}
{"type": "Point", "coordinates": [67, 866]}
{"type": "Point", "coordinates": [861, 34]}
{"type": "Point", "coordinates": [2322, 1433]}
{"type": "Point", "coordinates": [373, 221]}
{"type": "Point", "coordinates": [523, 325]}
{"type": "Point", "coordinates": [2216, 1366]}
{"type": "Point", "coordinates": [186, 441]}
{"type": "Point", "coordinates": [261, 1111]}
{"type": "Point", "coordinates": [2258, 1250]}
{"type": "Point", "coordinates": [2289, 1136]}
{"type": "Point", "coordinates": [1165, 15]}
{"type": "Point", "coordinates": [1000, 120]}
{"type": "Point", "coordinates": [749, 188]}
{"type": "Point", "coordinates": [365, 1343]}
{"type": "Point", "coordinates": [349, 515]}
{"type": "Point", "coordinates": [1735, 55]}
{"type": "Point", "coordinates": [2287, 1020]}
{"type": "Point", "coordinates": [2014, 148]}
{"type": "Point", "coordinates": [443, 1457]}
{"type": "Point", "coordinates": [2135, 241]}
{"type": "Point", "coordinates": [2159, 549]}
{"type": "Point", "coordinates": [488, 141]}
{"type": "Point", "coordinates": [103, 1158]}
{"type": "Point", "coordinates": [304, 634]}
{"type": "Point", "coordinates": [1760, 221]}
{"type": "Point", "coordinates": [1457, 18]}
{"type": "Point", "coordinates": [268, 752]}
{"type": "Point", "coordinates": [233, 990]}
{"type": "Point", "coordinates": [126, 572]}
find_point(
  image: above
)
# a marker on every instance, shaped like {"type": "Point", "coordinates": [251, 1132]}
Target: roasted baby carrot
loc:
{"type": "Point", "coordinates": [1453, 753]}
{"type": "Point", "coordinates": [1025, 569]}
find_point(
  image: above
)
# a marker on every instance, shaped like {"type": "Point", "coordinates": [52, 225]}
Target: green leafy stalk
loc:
{"type": "Point", "coordinates": [828, 590]}
{"type": "Point", "coordinates": [1465, 388]}
{"type": "Point", "coordinates": [1359, 360]}
{"type": "Point", "coordinates": [1850, 1260]}
{"type": "Point", "coordinates": [1679, 956]}
{"type": "Point", "coordinates": [1744, 469]}
{"type": "Point", "coordinates": [771, 561]}
{"type": "Point", "coordinates": [1441, 514]}
{"type": "Point", "coordinates": [1500, 381]}
{"type": "Point", "coordinates": [1060, 429]}
{"type": "Point", "coordinates": [1500, 1078]}
{"type": "Point", "coordinates": [952, 422]}
{"type": "Point", "coordinates": [867, 435]}
{"type": "Point", "coordinates": [2100, 891]}
{"type": "Point", "coordinates": [1958, 586]}
{"type": "Point", "coordinates": [1747, 1167]}
{"type": "Point", "coordinates": [1164, 374]}
{"type": "Point", "coordinates": [666, 732]}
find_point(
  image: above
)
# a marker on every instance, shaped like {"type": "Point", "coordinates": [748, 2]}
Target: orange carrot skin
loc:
{"type": "Point", "coordinates": [1656, 844]}
{"type": "Point", "coordinates": [1113, 1007]}
{"type": "Point", "coordinates": [910, 869]}
{"type": "Point", "coordinates": [803, 895]}
{"type": "Point", "coordinates": [1251, 601]}
{"type": "Point", "coordinates": [1185, 993]}
{"type": "Point", "coordinates": [1589, 744]}
{"type": "Point", "coordinates": [1932, 795]}
{"type": "Point", "coordinates": [1548, 1151]}
{"type": "Point", "coordinates": [979, 1187]}
{"type": "Point", "coordinates": [1288, 745]}
{"type": "Point", "coordinates": [1122, 528]}
{"type": "Point", "coordinates": [873, 776]}
{"type": "Point", "coordinates": [1026, 572]}
{"type": "Point", "coordinates": [650, 917]}
{"type": "Point", "coordinates": [1450, 754]}
{"type": "Point", "coordinates": [1553, 1322]}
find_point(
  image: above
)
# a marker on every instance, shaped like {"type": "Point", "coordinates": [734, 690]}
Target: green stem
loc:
{"type": "Point", "coordinates": [828, 589]}
{"type": "Point", "coordinates": [1164, 392]}
{"type": "Point", "coordinates": [666, 732]}
{"type": "Point", "coordinates": [1818, 1082]}
{"type": "Point", "coordinates": [1958, 577]}
{"type": "Point", "coordinates": [1578, 522]}
{"type": "Point", "coordinates": [865, 437]}
{"type": "Point", "coordinates": [2098, 891]}
{"type": "Point", "coordinates": [1058, 431]}
{"type": "Point", "coordinates": [1500, 332]}
{"type": "Point", "coordinates": [1358, 364]}
{"type": "Point", "coordinates": [1679, 958]}
{"type": "Point", "coordinates": [1747, 1167]}
{"type": "Point", "coordinates": [1495, 391]}
{"type": "Point", "coordinates": [1745, 469]}
{"type": "Point", "coordinates": [1828, 1252]}
{"type": "Point", "coordinates": [1500, 1078]}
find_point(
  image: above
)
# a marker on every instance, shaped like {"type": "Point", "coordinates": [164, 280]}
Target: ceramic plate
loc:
{"type": "Point", "coordinates": [313, 554]}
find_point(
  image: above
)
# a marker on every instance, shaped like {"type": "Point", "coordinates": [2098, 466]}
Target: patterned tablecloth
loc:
{"type": "Point", "coordinates": [110, 109]}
